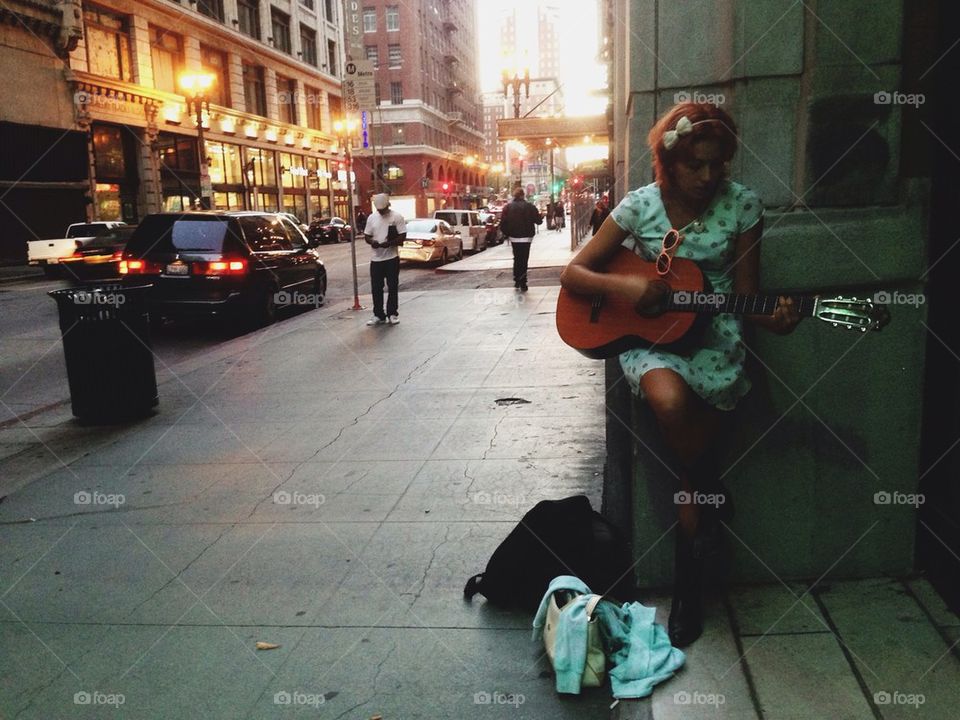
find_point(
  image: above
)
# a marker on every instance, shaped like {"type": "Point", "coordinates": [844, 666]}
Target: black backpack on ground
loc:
{"type": "Point", "coordinates": [556, 537]}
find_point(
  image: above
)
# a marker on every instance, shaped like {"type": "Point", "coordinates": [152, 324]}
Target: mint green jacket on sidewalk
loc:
{"type": "Point", "coordinates": [639, 654]}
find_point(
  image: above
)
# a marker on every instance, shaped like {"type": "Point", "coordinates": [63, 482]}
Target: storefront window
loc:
{"type": "Point", "coordinates": [224, 163]}
{"type": "Point", "coordinates": [261, 167]}
{"type": "Point", "coordinates": [108, 152]}
{"type": "Point", "coordinates": [228, 201]}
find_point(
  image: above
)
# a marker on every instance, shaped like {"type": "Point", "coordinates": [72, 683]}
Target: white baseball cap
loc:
{"type": "Point", "coordinates": [381, 201]}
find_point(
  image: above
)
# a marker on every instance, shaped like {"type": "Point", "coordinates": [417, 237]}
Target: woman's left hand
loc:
{"type": "Point", "coordinates": [785, 317]}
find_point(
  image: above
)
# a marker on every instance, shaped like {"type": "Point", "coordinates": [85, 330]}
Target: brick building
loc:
{"type": "Point", "coordinates": [97, 127]}
{"type": "Point", "coordinates": [424, 135]}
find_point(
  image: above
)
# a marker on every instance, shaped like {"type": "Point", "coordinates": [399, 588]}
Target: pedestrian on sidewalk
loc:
{"type": "Point", "coordinates": [360, 218]}
{"type": "Point", "coordinates": [559, 221]}
{"type": "Point", "coordinates": [384, 232]}
{"type": "Point", "coordinates": [600, 212]}
{"type": "Point", "coordinates": [693, 211]}
{"type": "Point", "coordinates": [519, 223]}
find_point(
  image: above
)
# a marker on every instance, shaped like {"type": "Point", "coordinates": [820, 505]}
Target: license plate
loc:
{"type": "Point", "coordinates": [178, 268]}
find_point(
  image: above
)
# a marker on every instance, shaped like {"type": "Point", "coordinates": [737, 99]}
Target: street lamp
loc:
{"type": "Point", "coordinates": [196, 88]}
{"type": "Point", "coordinates": [345, 130]}
{"type": "Point", "coordinates": [515, 82]}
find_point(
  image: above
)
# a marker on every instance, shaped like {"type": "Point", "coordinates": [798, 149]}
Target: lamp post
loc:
{"type": "Point", "coordinates": [345, 129]}
{"type": "Point", "coordinates": [195, 88]}
{"type": "Point", "coordinates": [513, 79]}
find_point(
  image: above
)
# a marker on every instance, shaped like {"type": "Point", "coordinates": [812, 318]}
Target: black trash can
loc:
{"type": "Point", "coordinates": [106, 344]}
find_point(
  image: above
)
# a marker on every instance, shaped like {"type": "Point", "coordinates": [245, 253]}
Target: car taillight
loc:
{"type": "Point", "coordinates": [132, 267]}
{"type": "Point", "coordinates": [221, 267]}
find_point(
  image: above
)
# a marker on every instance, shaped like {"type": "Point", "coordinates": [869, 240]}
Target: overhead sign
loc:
{"type": "Point", "coordinates": [354, 28]}
{"type": "Point", "coordinates": [358, 88]}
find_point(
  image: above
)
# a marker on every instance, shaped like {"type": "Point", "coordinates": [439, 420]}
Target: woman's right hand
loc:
{"type": "Point", "coordinates": [647, 294]}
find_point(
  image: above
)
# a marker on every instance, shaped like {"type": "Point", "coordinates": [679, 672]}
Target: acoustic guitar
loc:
{"type": "Point", "coordinates": [605, 326]}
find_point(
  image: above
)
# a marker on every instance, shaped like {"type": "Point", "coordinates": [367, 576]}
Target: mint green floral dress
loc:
{"type": "Point", "coordinates": [715, 370]}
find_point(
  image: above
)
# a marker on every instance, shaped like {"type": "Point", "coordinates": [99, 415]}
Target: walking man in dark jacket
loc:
{"type": "Point", "coordinates": [518, 222]}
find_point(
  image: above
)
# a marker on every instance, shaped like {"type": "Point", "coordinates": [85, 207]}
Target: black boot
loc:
{"type": "Point", "coordinates": [686, 611]}
{"type": "Point", "coordinates": [708, 538]}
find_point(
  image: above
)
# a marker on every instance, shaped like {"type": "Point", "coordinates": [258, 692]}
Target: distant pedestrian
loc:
{"type": "Point", "coordinates": [600, 213]}
{"type": "Point", "coordinates": [385, 230]}
{"type": "Point", "coordinates": [360, 218]}
{"type": "Point", "coordinates": [519, 223]}
{"type": "Point", "coordinates": [559, 220]}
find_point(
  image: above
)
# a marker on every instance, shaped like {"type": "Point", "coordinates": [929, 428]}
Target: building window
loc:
{"type": "Point", "coordinates": [376, 93]}
{"type": "Point", "coordinates": [287, 99]}
{"type": "Point", "coordinates": [308, 45]}
{"type": "Point", "coordinates": [369, 20]}
{"type": "Point", "coordinates": [332, 56]}
{"type": "Point", "coordinates": [373, 54]}
{"type": "Point", "coordinates": [314, 111]}
{"type": "Point", "coordinates": [108, 43]}
{"type": "Point", "coordinates": [393, 18]}
{"type": "Point", "coordinates": [166, 52]}
{"type": "Point", "coordinates": [211, 8]}
{"type": "Point", "coordinates": [329, 9]}
{"type": "Point", "coordinates": [280, 24]}
{"type": "Point", "coordinates": [396, 93]}
{"type": "Point", "coordinates": [398, 136]}
{"type": "Point", "coordinates": [215, 62]}
{"type": "Point", "coordinates": [307, 3]}
{"type": "Point", "coordinates": [249, 13]}
{"type": "Point", "coordinates": [393, 55]}
{"type": "Point", "coordinates": [254, 89]}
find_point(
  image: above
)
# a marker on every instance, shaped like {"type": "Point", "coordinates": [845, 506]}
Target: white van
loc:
{"type": "Point", "coordinates": [468, 223]}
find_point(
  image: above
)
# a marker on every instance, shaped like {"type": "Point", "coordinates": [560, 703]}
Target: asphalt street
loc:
{"type": "Point", "coordinates": [32, 371]}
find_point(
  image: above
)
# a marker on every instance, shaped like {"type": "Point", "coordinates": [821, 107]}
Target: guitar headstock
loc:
{"type": "Point", "coordinates": [852, 313]}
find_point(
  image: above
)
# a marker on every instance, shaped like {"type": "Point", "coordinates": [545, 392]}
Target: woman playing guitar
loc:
{"type": "Point", "coordinates": [694, 211]}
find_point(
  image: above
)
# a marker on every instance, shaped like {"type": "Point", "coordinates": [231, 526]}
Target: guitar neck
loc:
{"type": "Point", "coordinates": [714, 303]}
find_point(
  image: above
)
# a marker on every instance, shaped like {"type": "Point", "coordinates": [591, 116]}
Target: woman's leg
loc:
{"type": "Point", "coordinates": [688, 425]}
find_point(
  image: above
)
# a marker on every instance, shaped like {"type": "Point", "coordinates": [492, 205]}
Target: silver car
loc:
{"type": "Point", "coordinates": [431, 240]}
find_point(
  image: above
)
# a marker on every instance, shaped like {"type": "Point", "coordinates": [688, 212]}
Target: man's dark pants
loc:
{"type": "Point", "coordinates": [521, 256]}
{"type": "Point", "coordinates": [380, 271]}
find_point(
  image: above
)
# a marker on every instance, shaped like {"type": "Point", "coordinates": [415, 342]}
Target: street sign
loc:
{"type": "Point", "coordinates": [354, 29]}
{"type": "Point", "coordinates": [358, 88]}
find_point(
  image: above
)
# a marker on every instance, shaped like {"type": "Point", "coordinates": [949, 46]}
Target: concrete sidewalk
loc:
{"type": "Point", "coordinates": [329, 487]}
{"type": "Point", "coordinates": [550, 248]}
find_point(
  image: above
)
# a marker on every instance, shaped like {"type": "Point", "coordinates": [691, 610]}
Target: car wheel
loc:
{"type": "Point", "coordinates": [266, 307]}
{"type": "Point", "coordinates": [460, 254]}
{"type": "Point", "coordinates": [444, 257]}
{"type": "Point", "coordinates": [320, 287]}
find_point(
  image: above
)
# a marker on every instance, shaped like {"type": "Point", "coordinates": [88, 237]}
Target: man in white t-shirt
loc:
{"type": "Point", "coordinates": [384, 232]}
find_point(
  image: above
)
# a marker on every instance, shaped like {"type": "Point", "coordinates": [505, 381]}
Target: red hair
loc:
{"type": "Point", "coordinates": [722, 130]}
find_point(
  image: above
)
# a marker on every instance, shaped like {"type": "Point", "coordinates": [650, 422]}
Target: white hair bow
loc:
{"type": "Point", "coordinates": [672, 137]}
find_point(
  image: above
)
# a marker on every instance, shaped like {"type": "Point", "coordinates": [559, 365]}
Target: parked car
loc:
{"type": "Point", "coordinates": [236, 265]}
{"type": "Point", "coordinates": [468, 224]}
{"type": "Point", "coordinates": [304, 228]}
{"type": "Point", "coordinates": [431, 240]}
{"type": "Point", "coordinates": [100, 258]}
{"type": "Point", "coordinates": [491, 223]}
{"type": "Point", "coordinates": [330, 230]}
{"type": "Point", "coordinates": [48, 253]}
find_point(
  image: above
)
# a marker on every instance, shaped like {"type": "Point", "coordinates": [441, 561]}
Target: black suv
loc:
{"type": "Point", "coordinates": [241, 265]}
